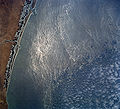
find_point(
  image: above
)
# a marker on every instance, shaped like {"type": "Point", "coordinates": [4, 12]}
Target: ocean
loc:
{"type": "Point", "coordinates": [69, 57]}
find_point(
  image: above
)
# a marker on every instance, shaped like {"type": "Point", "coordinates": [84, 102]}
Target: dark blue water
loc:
{"type": "Point", "coordinates": [69, 57]}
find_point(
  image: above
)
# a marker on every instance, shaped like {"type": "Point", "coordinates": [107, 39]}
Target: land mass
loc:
{"type": "Point", "coordinates": [10, 12]}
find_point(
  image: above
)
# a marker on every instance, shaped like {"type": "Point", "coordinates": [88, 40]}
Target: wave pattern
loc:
{"type": "Point", "coordinates": [74, 54]}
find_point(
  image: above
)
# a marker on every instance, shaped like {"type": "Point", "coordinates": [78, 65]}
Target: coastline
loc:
{"type": "Point", "coordinates": [10, 40]}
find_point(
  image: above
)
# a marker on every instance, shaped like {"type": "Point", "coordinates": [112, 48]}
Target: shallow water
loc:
{"type": "Point", "coordinates": [69, 57]}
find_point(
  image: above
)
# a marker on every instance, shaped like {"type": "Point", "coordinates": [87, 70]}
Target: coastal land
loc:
{"type": "Point", "coordinates": [10, 12]}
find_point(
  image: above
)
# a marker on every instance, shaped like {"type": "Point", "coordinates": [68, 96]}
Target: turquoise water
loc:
{"type": "Point", "coordinates": [69, 57]}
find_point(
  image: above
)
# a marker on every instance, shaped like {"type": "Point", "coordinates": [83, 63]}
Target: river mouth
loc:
{"type": "Point", "coordinates": [69, 57]}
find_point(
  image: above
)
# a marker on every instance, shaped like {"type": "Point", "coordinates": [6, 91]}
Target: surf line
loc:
{"type": "Point", "coordinates": [25, 15]}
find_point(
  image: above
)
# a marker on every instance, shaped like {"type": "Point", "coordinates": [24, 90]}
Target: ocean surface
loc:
{"type": "Point", "coordinates": [69, 57]}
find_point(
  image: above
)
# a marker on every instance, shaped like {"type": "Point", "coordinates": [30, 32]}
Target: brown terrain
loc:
{"type": "Point", "coordinates": [10, 11]}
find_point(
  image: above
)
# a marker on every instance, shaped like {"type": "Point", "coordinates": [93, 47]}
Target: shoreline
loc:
{"type": "Point", "coordinates": [11, 11]}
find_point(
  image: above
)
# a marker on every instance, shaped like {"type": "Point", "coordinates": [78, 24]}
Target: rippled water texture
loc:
{"type": "Point", "coordinates": [69, 58]}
